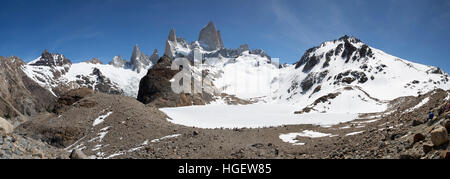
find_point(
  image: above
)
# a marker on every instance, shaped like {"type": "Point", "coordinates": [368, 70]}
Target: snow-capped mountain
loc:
{"type": "Point", "coordinates": [209, 45]}
{"type": "Point", "coordinates": [348, 75]}
{"type": "Point", "coordinates": [339, 75]}
{"type": "Point", "coordinates": [57, 73]}
{"type": "Point", "coordinates": [343, 75]}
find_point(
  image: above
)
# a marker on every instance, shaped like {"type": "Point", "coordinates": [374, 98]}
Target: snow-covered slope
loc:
{"type": "Point", "coordinates": [57, 74]}
{"type": "Point", "coordinates": [367, 75]}
{"type": "Point", "coordinates": [332, 83]}
{"type": "Point", "coordinates": [125, 79]}
{"type": "Point", "coordinates": [361, 78]}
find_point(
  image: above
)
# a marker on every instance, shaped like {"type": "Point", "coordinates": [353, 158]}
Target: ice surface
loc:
{"type": "Point", "coordinates": [250, 116]}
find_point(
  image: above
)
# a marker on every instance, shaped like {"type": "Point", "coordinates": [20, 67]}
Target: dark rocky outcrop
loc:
{"type": "Point", "coordinates": [21, 95]}
{"type": "Point", "coordinates": [349, 77]}
{"type": "Point", "coordinates": [305, 58]}
{"type": "Point", "coordinates": [155, 88]}
{"type": "Point", "coordinates": [65, 101]}
{"type": "Point", "coordinates": [97, 81]}
{"type": "Point", "coordinates": [311, 79]}
{"type": "Point", "coordinates": [312, 62]}
{"type": "Point", "coordinates": [53, 60]}
{"type": "Point", "coordinates": [349, 49]}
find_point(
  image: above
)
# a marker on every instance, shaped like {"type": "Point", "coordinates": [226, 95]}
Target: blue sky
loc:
{"type": "Point", "coordinates": [416, 30]}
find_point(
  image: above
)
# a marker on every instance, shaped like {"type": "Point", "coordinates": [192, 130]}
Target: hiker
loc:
{"type": "Point", "coordinates": [447, 108]}
{"type": "Point", "coordinates": [431, 115]}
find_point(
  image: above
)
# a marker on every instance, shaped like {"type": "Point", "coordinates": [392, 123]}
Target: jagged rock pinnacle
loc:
{"type": "Point", "coordinates": [170, 42]}
{"type": "Point", "coordinates": [155, 56]}
{"type": "Point", "coordinates": [172, 36]}
{"type": "Point", "coordinates": [210, 37]}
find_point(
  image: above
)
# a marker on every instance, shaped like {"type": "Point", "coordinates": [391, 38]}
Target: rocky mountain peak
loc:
{"type": "Point", "coordinates": [351, 39]}
{"type": "Point", "coordinates": [118, 62]}
{"type": "Point", "coordinates": [136, 53]}
{"type": "Point", "coordinates": [155, 56]}
{"type": "Point", "coordinates": [139, 61]}
{"type": "Point", "coordinates": [172, 36]}
{"type": "Point", "coordinates": [346, 47]}
{"type": "Point", "coordinates": [52, 60]}
{"type": "Point", "coordinates": [170, 43]}
{"type": "Point", "coordinates": [210, 38]}
{"type": "Point", "coordinates": [94, 61]}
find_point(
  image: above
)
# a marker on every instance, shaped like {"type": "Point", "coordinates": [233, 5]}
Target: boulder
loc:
{"type": "Point", "coordinates": [446, 124]}
{"type": "Point", "coordinates": [417, 122]}
{"type": "Point", "coordinates": [445, 154]}
{"type": "Point", "coordinates": [5, 127]}
{"type": "Point", "coordinates": [417, 138]}
{"type": "Point", "coordinates": [78, 154]}
{"type": "Point", "coordinates": [195, 133]}
{"type": "Point", "coordinates": [439, 136]}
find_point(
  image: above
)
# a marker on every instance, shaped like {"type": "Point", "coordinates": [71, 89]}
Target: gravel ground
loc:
{"type": "Point", "coordinates": [133, 130]}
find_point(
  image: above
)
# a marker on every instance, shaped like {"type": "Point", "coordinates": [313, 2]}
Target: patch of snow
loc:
{"type": "Point", "coordinates": [354, 133]}
{"type": "Point", "coordinates": [115, 155]}
{"type": "Point", "coordinates": [290, 138]}
{"type": "Point", "coordinates": [165, 137]}
{"type": "Point", "coordinates": [100, 135]}
{"type": "Point", "coordinates": [70, 147]}
{"type": "Point", "coordinates": [97, 147]}
{"type": "Point", "coordinates": [423, 102]}
{"type": "Point", "coordinates": [345, 127]}
{"type": "Point", "coordinates": [365, 122]}
{"type": "Point", "coordinates": [311, 134]}
{"type": "Point", "coordinates": [101, 119]}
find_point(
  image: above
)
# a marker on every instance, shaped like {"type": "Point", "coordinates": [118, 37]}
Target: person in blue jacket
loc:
{"type": "Point", "coordinates": [431, 115]}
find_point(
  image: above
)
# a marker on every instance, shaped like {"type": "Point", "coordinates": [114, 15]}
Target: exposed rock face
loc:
{"type": "Point", "coordinates": [94, 61]}
{"type": "Point", "coordinates": [104, 84]}
{"type": "Point", "coordinates": [155, 88]}
{"type": "Point", "coordinates": [97, 81]}
{"type": "Point", "coordinates": [78, 154]}
{"type": "Point", "coordinates": [311, 79]}
{"type": "Point", "coordinates": [210, 37]}
{"type": "Point", "coordinates": [171, 44]}
{"type": "Point", "coordinates": [210, 45]}
{"type": "Point", "coordinates": [349, 77]}
{"type": "Point", "coordinates": [5, 127]}
{"type": "Point", "coordinates": [47, 70]}
{"type": "Point", "coordinates": [54, 131]}
{"type": "Point", "coordinates": [20, 95]}
{"type": "Point", "coordinates": [67, 100]}
{"type": "Point", "coordinates": [139, 61]}
{"type": "Point", "coordinates": [118, 62]}
{"type": "Point", "coordinates": [48, 59]}
{"type": "Point", "coordinates": [155, 57]}
{"type": "Point", "coordinates": [58, 64]}
{"type": "Point", "coordinates": [172, 36]}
